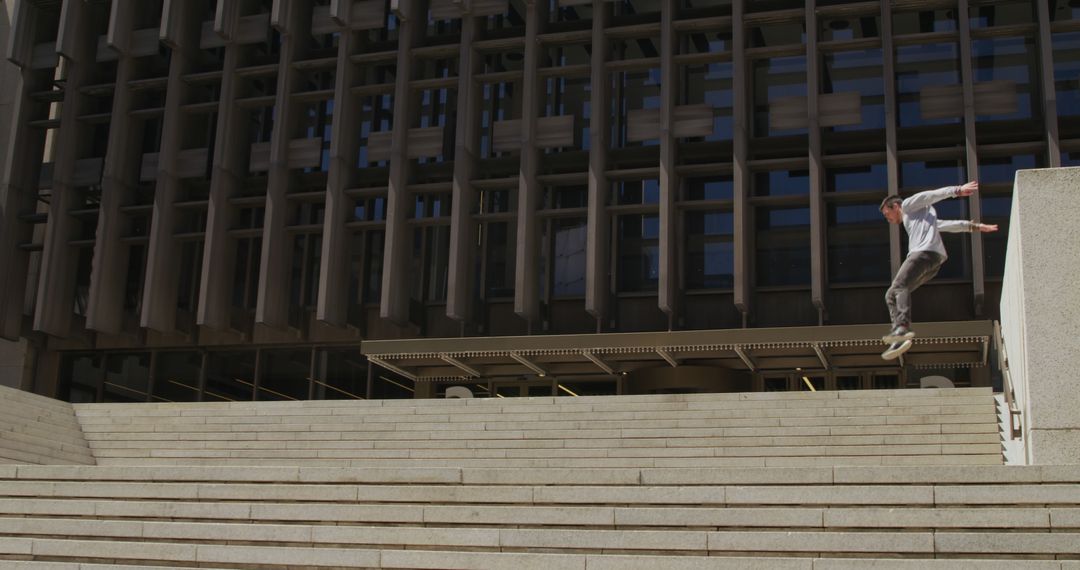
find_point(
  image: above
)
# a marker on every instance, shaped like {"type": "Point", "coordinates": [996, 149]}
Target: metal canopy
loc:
{"type": "Point", "coordinates": [946, 344]}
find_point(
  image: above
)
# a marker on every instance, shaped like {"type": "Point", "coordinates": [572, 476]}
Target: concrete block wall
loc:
{"type": "Point", "coordinates": [39, 430]}
{"type": "Point", "coordinates": [1040, 312]}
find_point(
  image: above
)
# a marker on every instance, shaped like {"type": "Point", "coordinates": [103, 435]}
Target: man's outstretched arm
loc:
{"type": "Point", "coordinates": [928, 198]}
{"type": "Point", "coordinates": [956, 226]}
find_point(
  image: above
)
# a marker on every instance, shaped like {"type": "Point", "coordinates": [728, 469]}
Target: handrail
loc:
{"type": "Point", "coordinates": [1015, 419]}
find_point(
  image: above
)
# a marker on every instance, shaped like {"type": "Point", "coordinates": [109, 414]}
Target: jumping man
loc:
{"type": "Point", "coordinates": [926, 254]}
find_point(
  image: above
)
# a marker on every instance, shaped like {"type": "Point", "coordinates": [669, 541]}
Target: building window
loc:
{"type": "Point", "coordinates": [638, 265]}
{"type": "Point", "coordinates": [1067, 72]}
{"type": "Point", "coordinates": [710, 254]}
{"type": "Point", "coordinates": [340, 374]}
{"type": "Point", "coordinates": [627, 192]}
{"type": "Point", "coordinates": [921, 73]}
{"type": "Point", "coordinates": [176, 377]}
{"type": "Point", "coordinates": [570, 96]}
{"type": "Point", "coordinates": [501, 102]}
{"type": "Point", "coordinates": [284, 374]}
{"type": "Point", "coordinates": [81, 377]}
{"type": "Point", "coordinates": [779, 93]}
{"type": "Point", "coordinates": [986, 14]}
{"type": "Point", "coordinates": [127, 377]}
{"type": "Point", "coordinates": [783, 246]}
{"type": "Point", "coordinates": [849, 28]}
{"type": "Point", "coordinates": [563, 256]}
{"type": "Point", "coordinates": [500, 254]}
{"type": "Point", "coordinates": [711, 84]}
{"type": "Point", "coordinates": [632, 91]}
{"type": "Point", "coordinates": [711, 188]}
{"type": "Point", "coordinates": [306, 264]}
{"type": "Point", "coordinates": [430, 262]}
{"type": "Point", "coordinates": [925, 21]}
{"type": "Point", "coordinates": [856, 72]}
{"type": "Point", "coordinates": [857, 178]}
{"type": "Point", "coordinates": [858, 239]}
{"type": "Point", "coordinates": [795, 182]}
{"type": "Point", "coordinates": [230, 376]}
{"type": "Point", "coordinates": [1011, 63]}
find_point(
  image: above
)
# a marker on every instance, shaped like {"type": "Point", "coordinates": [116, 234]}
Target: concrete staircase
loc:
{"type": "Point", "coordinates": [641, 482]}
{"type": "Point", "coordinates": [39, 430]}
{"type": "Point", "coordinates": [778, 429]}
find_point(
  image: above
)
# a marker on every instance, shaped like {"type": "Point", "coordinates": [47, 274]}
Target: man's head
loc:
{"type": "Point", "coordinates": [890, 208]}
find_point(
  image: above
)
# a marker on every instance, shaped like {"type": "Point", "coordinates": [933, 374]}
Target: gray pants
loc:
{"type": "Point", "coordinates": [918, 268]}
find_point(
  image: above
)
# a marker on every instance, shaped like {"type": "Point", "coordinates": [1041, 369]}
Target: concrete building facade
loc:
{"type": "Point", "coordinates": [224, 198]}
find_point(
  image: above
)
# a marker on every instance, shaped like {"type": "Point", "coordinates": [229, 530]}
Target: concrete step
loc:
{"type": "Point", "coordinates": [46, 443]}
{"type": "Point", "coordinates": [498, 411]}
{"type": "Point", "coordinates": [13, 442]}
{"type": "Point", "coordinates": [65, 436]}
{"type": "Point", "coordinates": [446, 431]}
{"type": "Point", "coordinates": [674, 541]}
{"type": "Point", "coordinates": [679, 477]}
{"type": "Point", "coordinates": [22, 398]}
{"type": "Point", "coordinates": [836, 445]}
{"type": "Point", "coordinates": [527, 561]}
{"type": "Point", "coordinates": [161, 459]}
{"type": "Point", "coordinates": [949, 414]}
{"type": "Point", "coordinates": [358, 438]}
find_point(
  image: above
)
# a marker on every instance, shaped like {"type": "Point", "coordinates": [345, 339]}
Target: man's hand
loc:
{"type": "Point", "coordinates": [969, 189]}
{"type": "Point", "coordinates": [986, 228]}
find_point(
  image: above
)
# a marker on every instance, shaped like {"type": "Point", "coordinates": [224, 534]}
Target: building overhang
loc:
{"type": "Point", "coordinates": [823, 348]}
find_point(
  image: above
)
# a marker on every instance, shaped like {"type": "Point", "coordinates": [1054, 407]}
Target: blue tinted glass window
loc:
{"type": "Point", "coordinates": [927, 68]}
{"type": "Point", "coordinates": [710, 255]}
{"type": "Point", "coordinates": [923, 175]}
{"type": "Point", "coordinates": [783, 246]}
{"type": "Point", "coordinates": [714, 188]}
{"type": "Point", "coordinates": [857, 178]}
{"type": "Point", "coordinates": [858, 244]}
{"type": "Point", "coordinates": [1067, 72]}
{"type": "Point", "coordinates": [1003, 169]}
{"type": "Point", "coordinates": [782, 183]}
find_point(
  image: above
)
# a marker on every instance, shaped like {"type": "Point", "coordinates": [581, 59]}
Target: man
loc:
{"type": "Point", "coordinates": [926, 254]}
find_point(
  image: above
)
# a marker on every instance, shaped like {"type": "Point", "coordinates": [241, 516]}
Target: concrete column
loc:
{"type": "Point", "coordinates": [466, 148]}
{"type": "Point", "coordinates": [227, 176]}
{"type": "Point", "coordinates": [56, 286]}
{"type": "Point", "coordinates": [334, 301]}
{"type": "Point", "coordinates": [818, 250]}
{"type": "Point", "coordinates": [272, 308]}
{"type": "Point", "coordinates": [1045, 46]}
{"type": "Point", "coordinates": [971, 155]}
{"type": "Point", "coordinates": [394, 304]}
{"type": "Point", "coordinates": [1040, 312]}
{"type": "Point", "coordinates": [597, 282]}
{"type": "Point", "coordinates": [743, 228]}
{"type": "Point", "coordinates": [892, 160]}
{"type": "Point", "coordinates": [669, 183]}
{"type": "Point", "coordinates": [105, 310]}
{"type": "Point", "coordinates": [526, 293]}
{"type": "Point", "coordinates": [180, 30]}
{"type": "Point", "coordinates": [21, 167]}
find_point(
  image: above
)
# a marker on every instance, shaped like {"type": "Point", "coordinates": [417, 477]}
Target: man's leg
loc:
{"type": "Point", "coordinates": [918, 268]}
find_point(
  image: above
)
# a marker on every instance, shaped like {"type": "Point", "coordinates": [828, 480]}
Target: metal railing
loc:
{"type": "Point", "coordinates": [1015, 418]}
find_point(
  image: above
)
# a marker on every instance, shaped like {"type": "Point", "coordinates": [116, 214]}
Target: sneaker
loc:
{"type": "Point", "coordinates": [896, 349]}
{"type": "Point", "coordinates": [898, 334]}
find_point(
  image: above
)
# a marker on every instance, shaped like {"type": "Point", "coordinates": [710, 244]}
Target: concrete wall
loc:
{"type": "Point", "coordinates": [13, 359]}
{"type": "Point", "coordinates": [15, 362]}
{"type": "Point", "coordinates": [1040, 312]}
